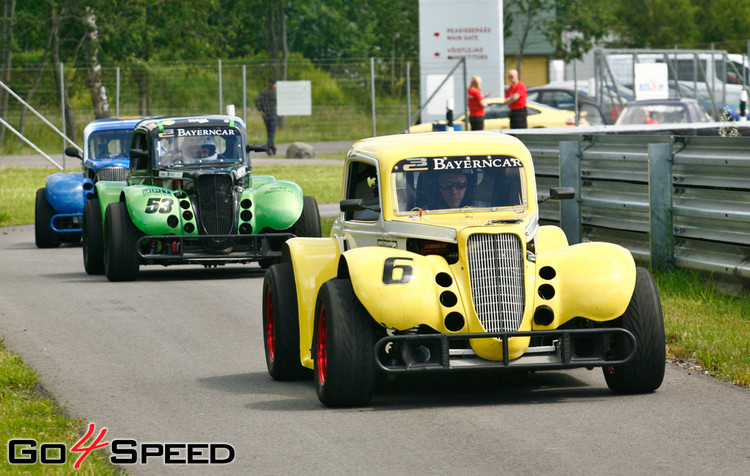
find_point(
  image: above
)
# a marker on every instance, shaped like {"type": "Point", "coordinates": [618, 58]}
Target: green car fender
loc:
{"type": "Point", "coordinates": [275, 204]}
{"type": "Point", "coordinates": [108, 192]}
{"type": "Point", "coordinates": [160, 211]}
{"type": "Point", "coordinates": [258, 180]}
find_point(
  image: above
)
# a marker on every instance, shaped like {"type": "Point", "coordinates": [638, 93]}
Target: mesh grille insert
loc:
{"type": "Point", "coordinates": [112, 174]}
{"type": "Point", "coordinates": [216, 203]}
{"type": "Point", "coordinates": [497, 285]}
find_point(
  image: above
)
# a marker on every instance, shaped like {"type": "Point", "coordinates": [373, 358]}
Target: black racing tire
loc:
{"type": "Point", "coordinates": [344, 339]}
{"type": "Point", "coordinates": [121, 259]}
{"type": "Point", "coordinates": [93, 238]}
{"type": "Point", "coordinates": [643, 373]}
{"type": "Point", "coordinates": [70, 237]}
{"type": "Point", "coordinates": [281, 324]}
{"type": "Point", "coordinates": [44, 235]}
{"type": "Point", "coordinates": [308, 224]}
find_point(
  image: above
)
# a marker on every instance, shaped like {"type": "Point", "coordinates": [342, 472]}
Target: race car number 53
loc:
{"type": "Point", "coordinates": [161, 205]}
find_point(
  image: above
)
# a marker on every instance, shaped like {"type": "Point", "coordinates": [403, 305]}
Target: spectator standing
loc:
{"type": "Point", "coordinates": [265, 103]}
{"type": "Point", "coordinates": [477, 104]}
{"type": "Point", "coordinates": [515, 98]}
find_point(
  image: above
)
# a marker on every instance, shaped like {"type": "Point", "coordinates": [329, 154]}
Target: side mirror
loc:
{"type": "Point", "coordinates": [73, 152]}
{"type": "Point", "coordinates": [357, 205]}
{"type": "Point", "coordinates": [259, 147]}
{"type": "Point", "coordinates": [560, 193]}
{"type": "Point", "coordinates": [351, 205]}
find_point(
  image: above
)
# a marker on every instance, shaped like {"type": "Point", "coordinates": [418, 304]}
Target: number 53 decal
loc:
{"type": "Point", "coordinates": [161, 205]}
{"type": "Point", "coordinates": [394, 273]}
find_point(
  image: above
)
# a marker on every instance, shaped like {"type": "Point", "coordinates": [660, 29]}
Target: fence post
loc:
{"type": "Point", "coordinates": [117, 91]}
{"type": "Point", "coordinates": [372, 94]}
{"type": "Point", "coordinates": [244, 94]}
{"type": "Point", "coordinates": [570, 176]}
{"type": "Point", "coordinates": [221, 106]}
{"type": "Point", "coordinates": [466, 96]}
{"type": "Point", "coordinates": [660, 198]}
{"type": "Point", "coordinates": [408, 94]}
{"type": "Point", "coordinates": [62, 108]}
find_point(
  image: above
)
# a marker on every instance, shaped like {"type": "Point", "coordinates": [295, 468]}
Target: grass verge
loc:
{"type": "Point", "coordinates": [26, 413]}
{"type": "Point", "coordinates": [18, 186]}
{"type": "Point", "coordinates": [705, 325]}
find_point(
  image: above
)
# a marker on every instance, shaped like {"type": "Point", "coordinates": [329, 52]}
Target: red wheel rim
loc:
{"type": "Point", "coordinates": [268, 325]}
{"type": "Point", "coordinates": [321, 352]}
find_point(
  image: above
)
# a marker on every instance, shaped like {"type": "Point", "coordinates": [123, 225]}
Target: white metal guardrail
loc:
{"type": "Point", "coordinates": [678, 199]}
{"type": "Point", "coordinates": [44, 120]}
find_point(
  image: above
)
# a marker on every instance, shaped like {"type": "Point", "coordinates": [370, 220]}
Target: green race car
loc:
{"type": "Point", "coordinates": [190, 198]}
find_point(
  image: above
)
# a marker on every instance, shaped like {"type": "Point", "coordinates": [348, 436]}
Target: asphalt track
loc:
{"type": "Point", "coordinates": [177, 356]}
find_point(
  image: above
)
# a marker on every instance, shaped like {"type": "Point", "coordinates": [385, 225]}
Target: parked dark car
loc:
{"type": "Point", "coordinates": [663, 111]}
{"type": "Point", "coordinates": [722, 103]}
{"type": "Point", "coordinates": [563, 98]}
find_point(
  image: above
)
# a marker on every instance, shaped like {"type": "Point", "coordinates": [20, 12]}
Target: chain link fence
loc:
{"type": "Point", "coordinates": [350, 99]}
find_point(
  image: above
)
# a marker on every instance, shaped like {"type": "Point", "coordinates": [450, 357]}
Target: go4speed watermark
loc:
{"type": "Point", "coordinates": [26, 451]}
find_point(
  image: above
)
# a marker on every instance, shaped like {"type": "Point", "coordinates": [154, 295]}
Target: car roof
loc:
{"type": "Point", "coordinates": [557, 88]}
{"type": "Point", "coordinates": [111, 123]}
{"type": "Point", "coordinates": [192, 121]}
{"type": "Point", "coordinates": [647, 102]}
{"type": "Point", "coordinates": [528, 103]}
{"type": "Point", "coordinates": [389, 150]}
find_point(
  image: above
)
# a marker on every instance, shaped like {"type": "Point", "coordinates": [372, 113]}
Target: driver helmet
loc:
{"type": "Point", "coordinates": [199, 148]}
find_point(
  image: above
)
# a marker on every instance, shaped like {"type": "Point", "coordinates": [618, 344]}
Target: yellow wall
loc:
{"type": "Point", "coordinates": [534, 71]}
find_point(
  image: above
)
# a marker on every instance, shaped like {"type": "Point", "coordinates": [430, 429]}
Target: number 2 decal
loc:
{"type": "Point", "coordinates": [391, 276]}
{"type": "Point", "coordinates": [161, 205]}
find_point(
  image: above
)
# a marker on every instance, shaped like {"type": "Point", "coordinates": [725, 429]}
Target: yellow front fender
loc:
{"type": "Point", "coordinates": [401, 289]}
{"type": "Point", "coordinates": [314, 261]}
{"type": "Point", "coordinates": [590, 280]}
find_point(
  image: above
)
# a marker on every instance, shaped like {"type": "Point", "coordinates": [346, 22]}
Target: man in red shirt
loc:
{"type": "Point", "coordinates": [515, 98]}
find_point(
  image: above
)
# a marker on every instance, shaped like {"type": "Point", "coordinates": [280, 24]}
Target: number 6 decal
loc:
{"type": "Point", "coordinates": [391, 276]}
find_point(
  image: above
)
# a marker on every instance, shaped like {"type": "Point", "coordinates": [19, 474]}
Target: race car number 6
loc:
{"type": "Point", "coordinates": [396, 273]}
{"type": "Point", "coordinates": [161, 205]}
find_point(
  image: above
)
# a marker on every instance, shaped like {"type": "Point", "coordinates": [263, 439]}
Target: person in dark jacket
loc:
{"type": "Point", "coordinates": [265, 103]}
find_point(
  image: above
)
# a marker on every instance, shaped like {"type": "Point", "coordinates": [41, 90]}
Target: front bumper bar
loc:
{"type": "Point", "coordinates": [571, 348]}
{"type": "Point", "coordinates": [210, 249]}
{"type": "Point", "coordinates": [70, 226]}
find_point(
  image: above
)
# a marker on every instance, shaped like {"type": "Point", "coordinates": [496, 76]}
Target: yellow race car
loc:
{"type": "Point", "coordinates": [437, 263]}
{"type": "Point", "coordinates": [497, 116]}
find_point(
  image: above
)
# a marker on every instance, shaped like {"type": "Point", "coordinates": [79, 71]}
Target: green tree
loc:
{"type": "Point", "coordinates": [525, 15]}
{"type": "Point", "coordinates": [577, 26]}
{"type": "Point", "coordinates": [725, 23]}
{"type": "Point", "coordinates": [7, 40]}
{"type": "Point", "coordinates": [655, 23]}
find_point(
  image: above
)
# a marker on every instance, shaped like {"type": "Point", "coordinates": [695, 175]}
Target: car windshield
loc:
{"type": "Point", "coordinates": [445, 184]}
{"type": "Point", "coordinates": [111, 144]}
{"type": "Point", "coordinates": [654, 114]}
{"type": "Point", "coordinates": [199, 146]}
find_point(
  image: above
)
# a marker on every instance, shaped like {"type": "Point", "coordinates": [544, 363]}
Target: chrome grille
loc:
{"type": "Point", "coordinates": [497, 286]}
{"type": "Point", "coordinates": [112, 174]}
{"type": "Point", "coordinates": [216, 203]}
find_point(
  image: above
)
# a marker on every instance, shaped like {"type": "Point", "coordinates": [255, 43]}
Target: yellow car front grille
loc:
{"type": "Point", "coordinates": [497, 283]}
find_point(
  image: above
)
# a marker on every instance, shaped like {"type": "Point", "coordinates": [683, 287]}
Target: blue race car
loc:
{"type": "Point", "coordinates": [59, 205]}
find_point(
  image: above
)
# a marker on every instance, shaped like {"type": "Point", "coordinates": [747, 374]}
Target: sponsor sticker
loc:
{"type": "Point", "coordinates": [457, 163]}
{"type": "Point", "coordinates": [167, 173]}
{"type": "Point", "coordinates": [218, 131]}
{"type": "Point", "coordinates": [123, 451]}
